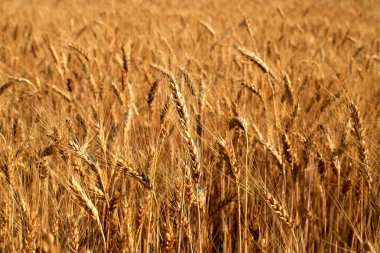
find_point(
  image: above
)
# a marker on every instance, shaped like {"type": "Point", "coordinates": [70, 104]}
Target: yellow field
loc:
{"type": "Point", "coordinates": [189, 126]}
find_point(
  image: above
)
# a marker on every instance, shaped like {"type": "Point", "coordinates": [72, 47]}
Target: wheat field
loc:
{"type": "Point", "coordinates": [189, 126]}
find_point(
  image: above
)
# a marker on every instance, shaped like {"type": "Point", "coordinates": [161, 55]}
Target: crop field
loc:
{"type": "Point", "coordinates": [189, 126]}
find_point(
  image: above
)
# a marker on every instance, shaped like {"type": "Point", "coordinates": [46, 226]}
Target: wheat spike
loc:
{"type": "Point", "coordinates": [256, 60]}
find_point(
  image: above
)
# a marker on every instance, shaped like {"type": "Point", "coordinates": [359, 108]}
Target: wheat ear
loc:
{"type": "Point", "coordinates": [86, 203]}
{"type": "Point", "coordinates": [257, 60]}
{"type": "Point", "coordinates": [184, 119]}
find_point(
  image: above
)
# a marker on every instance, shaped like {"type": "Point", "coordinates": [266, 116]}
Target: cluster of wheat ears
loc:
{"type": "Point", "coordinates": [181, 126]}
